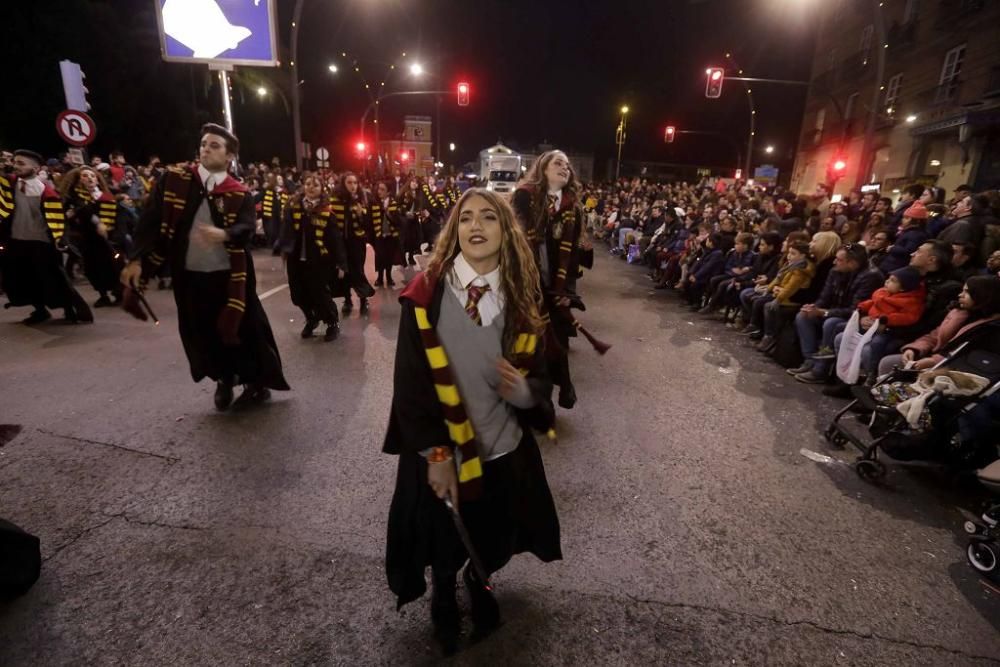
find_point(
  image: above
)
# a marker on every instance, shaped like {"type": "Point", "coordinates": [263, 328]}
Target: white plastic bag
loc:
{"type": "Point", "coordinates": [852, 344]}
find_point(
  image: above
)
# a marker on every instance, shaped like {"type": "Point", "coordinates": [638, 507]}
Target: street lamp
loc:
{"type": "Point", "coordinates": [769, 150]}
{"type": "Point", "coordinates": [451, 147]}
{"type": "Point", "coordinates": [912, 118]}
{"type": "Point", "coordinates": [333, 69]}
{"type": "Point", "coordinates": [620, 139]}
{"type": "Point", "coordinates": [262, 91]}
{"type": "Point", "coordinates": [416, 69]}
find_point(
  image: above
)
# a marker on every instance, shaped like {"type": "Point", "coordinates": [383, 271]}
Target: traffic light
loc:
{"type": "Point", "coordinates": [713, 85]}
{"type": "Point", "coordinates": [668, 134]}
{"type": "Point", "coordinates": [463, 94]}
{"type": "Point", "coordinates": [404, 156]}
{"type": "Point", "coordinates": [836, 169]}
{"type": "Point", "coordinates": [361, 147]}
{"type": "Point", "coordinates": [73, 86]}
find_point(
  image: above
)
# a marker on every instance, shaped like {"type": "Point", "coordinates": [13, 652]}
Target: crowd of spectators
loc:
{"type": "Point", "coordinates": [788, 270]}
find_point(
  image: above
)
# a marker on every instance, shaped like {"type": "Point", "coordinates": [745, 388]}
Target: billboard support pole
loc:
{"type": "Point", "coordinates": [227, 103]}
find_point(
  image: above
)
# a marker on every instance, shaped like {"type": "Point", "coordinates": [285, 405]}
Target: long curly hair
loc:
{"type": "Point", "coordinates": [519, 279]}
{"type": "Point", "coordinates": [70, 186]}
{"type": "Point", "coordinates": [535, 182]}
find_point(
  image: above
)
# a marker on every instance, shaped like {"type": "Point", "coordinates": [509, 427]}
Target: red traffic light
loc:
{"type": "Point", "coordinates": [463, 94]}
{"type": "Point", "coordinates": [361, 147]}
{"type": "Point", "coordinates": [839, 165]}
{"type": "Point", "coordinates": [404, 156]}
{"type": "Point", "coordinates": [713, 86]}
{"type": "Point", "coordinates": [668, 134]}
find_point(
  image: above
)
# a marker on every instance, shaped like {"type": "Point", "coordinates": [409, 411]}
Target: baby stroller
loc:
{"type": "Point", "coordinates": [984, 532]}
{"type": "Point", "coordinates": [977, 353]}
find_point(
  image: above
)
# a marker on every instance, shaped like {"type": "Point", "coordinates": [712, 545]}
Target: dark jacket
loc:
{"type": "Point", "coordinates": [708, 266]}
{"type": "Point", "coordinates": [906, 242]}
{"type": "Point", "coordinates": [763, 265]}
{"type": "Point", "coordinates": [738, 260]}
{"type": "Point", "coordinates": [844, 291]}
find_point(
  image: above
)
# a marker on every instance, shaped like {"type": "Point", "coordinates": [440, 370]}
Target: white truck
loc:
{"type": "Point", "coordinates": [501, 173]}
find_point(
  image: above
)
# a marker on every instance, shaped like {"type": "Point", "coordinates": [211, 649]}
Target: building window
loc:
{"type": "Point", "coordinates": [818, 127]}
{"type": "Point", "coordinates": [950, 71]}
{"type": "Point", "coordinates": [911, 12]}
{"type": "Point", "coordinates": [866, 43]}
{"type": "Point", "coordinates": [892, 94]}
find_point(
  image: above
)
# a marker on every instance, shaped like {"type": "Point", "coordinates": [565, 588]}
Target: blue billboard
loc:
{"type": "Point", "coordinates": [234, 32]}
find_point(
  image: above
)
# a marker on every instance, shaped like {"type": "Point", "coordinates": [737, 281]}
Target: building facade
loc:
{"type": "Point", "coordinates": [414, 149]}
{"type": "Point", "coordinates": [937, 120]}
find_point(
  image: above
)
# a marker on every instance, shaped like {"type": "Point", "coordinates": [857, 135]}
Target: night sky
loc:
{"type": "Point", "coordinates": [539, 71]}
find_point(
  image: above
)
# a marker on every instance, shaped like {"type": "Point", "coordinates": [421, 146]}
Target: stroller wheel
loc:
{"type": "Point", "coordinates": [982, 556]}
{"type": "Point", "coordinates": [870, 470]}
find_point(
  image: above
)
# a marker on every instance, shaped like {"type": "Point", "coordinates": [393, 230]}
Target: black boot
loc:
{"type": "Point", "coordinates": [253, 393]}
{"type": "Point", "coordinates": [567, 397]}
{"type": "Point", "coordinates": [40, 315]}
{"type": "Point", "coordinates": [307, 330]}
{"type": "Point", "coordinates": [223, 396]}
{"type": "Point", "coordinates": [332, 331]}
{"type": "Point", "coordinates": [485, 610]}
{"type": "Point", "coordinates": [348, 306]}
{"type": "Point", "coordinates": [444, 612]}
{"type": "Point", "coordinates": [364, 307]}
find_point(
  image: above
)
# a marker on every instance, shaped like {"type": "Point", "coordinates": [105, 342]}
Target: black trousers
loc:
{"type": "Point", "coordinates": [309, 284]}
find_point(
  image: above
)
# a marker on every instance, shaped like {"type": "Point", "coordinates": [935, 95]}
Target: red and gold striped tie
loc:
{"type": "Point", "coordinates": [472, 305]}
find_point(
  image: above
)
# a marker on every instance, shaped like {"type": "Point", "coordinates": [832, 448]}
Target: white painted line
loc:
{"type": "Point", "coordinates": [273, 290]}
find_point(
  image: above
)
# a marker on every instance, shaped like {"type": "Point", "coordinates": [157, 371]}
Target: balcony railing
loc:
{"type": "Point", "coordinates": [942, 95]}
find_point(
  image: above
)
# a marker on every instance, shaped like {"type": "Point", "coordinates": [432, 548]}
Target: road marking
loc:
{"type": "Point", "coordinates": [273, 290]}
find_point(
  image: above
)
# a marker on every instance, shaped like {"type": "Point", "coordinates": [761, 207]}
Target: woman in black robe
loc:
{"type": "Point", "coordinates": [314, 255]}
{"type": "Point", "coordinates": [92, 213]}
{"type": "Point", "coordinates": [499, 489]}
{"type": "Point", "coordinates": [353, 213]}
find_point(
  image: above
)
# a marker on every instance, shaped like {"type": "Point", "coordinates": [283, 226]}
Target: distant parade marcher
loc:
{"type": "Point", "coordinates": [92, 217]}
{"type": "Point", "coordinates": [32, 231]}
{"type": "Point", "coordinates": [434, 209]}
{"type": "Point", "coordinates": [411, 213]}
{"type": "Point", "coordinates": [271, 202]}
{"type": "Point", "coordinates": [386, 224]}
{"type": "Point", "coordinates": [547, 205]}
{"type": "Point", "coordinates": [314, 255]}
{"type": "Point", "coordinates": [353, 215]}
{"type": "Point", "coordinates": [470, 385]}
{"type": "Point", "coordinates": [201, 220]}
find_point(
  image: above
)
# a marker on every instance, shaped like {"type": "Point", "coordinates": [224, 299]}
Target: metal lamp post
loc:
{"type": "Point", "coordinates": [620, 140]}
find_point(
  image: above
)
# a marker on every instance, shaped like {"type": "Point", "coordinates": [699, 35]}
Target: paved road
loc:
{"type": "Point", "coordinates": [695, 531]}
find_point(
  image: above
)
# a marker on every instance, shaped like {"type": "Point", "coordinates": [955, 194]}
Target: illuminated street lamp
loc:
{"type": "Point", "coordinates": [451, 147]}
{"type": "Point", "coordinates": [769, 150]}
{"type": "Point", "coordinates": [333, 69]}
{"type": "Point", "coordinates": [262, 91]}
{"type": "Point", "coordinates": [912, 118]}
{"type": "Point", "coordinates": [620, 139]}
{"type": "Point", "coordinates": [416, 69]}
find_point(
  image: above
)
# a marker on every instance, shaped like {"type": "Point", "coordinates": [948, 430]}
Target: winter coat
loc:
{"type": "Point", "coordinates": [842, 292]}
{"type": "Point", "coordinates": [738, 260]}
{"type": "Point", "coordinates": [899, 253]}
{"type": "Point", "coordinates": [955, 324]}
{"type": "Point", "coordinates": [792, 280]}
{"type": "Point", "coordinates": [942, 289]}
{"type": "Point", "coordinates": [895, 310]}
{"type": "Point", "coordinates": [708, 266]}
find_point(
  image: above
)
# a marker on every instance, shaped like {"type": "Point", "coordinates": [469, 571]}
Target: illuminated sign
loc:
{"type": "Point", "coordinates": [233, 32]}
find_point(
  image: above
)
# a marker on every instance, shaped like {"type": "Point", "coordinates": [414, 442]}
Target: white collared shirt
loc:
{"type": "Point", "coordinates": [33, 187]}
{"type": "Point", "coordinates": [462, 276]}
{"type": "Point", "coordinates": [558, 195]}
{"type": "Point", "coordinates": [211, 178]}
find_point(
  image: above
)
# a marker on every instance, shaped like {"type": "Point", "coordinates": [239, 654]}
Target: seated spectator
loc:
{"type": "Point", "coordinates": [791, 279]}
{"type": "Point", "coordinates": [965, 261]}
{"type": "Point", "coordinates": [739, 262]}
{"type": "Point", "coordinates": [851, 281]}
{"type": "Point", "coordinates": [753, 299]}
{"type": "Point", "coordinates": [878, 249]}
{"type": "Point", "coordinates": [822, 249]}
{"type": "Point", "coordinates": [876, 225]}
{"type": "Point", "coordinates": [993, 264]}
{"type": "Point", "coordinates": [978, 303]}
{"type": "Point", "coordinates": [709, 264]}
{"type": "Point", "coordinates": [911, 234]}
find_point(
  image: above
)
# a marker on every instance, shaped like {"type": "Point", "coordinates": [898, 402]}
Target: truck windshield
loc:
{"type": "Point", "coordinates": [503, 176]}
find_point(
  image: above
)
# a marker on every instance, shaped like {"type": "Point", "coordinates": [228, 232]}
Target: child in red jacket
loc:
{"type": "Point", "coordinates": [900, 303]}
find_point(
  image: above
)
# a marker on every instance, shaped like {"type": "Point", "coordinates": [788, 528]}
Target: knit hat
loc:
{"type": "Point", "coordinates": [908, 277]}
{"type": "Point", "coordinates": [916, 211]}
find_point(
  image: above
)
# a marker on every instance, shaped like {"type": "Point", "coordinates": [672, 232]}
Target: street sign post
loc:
{"type": "Point", "coordinates": [76, 128]}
